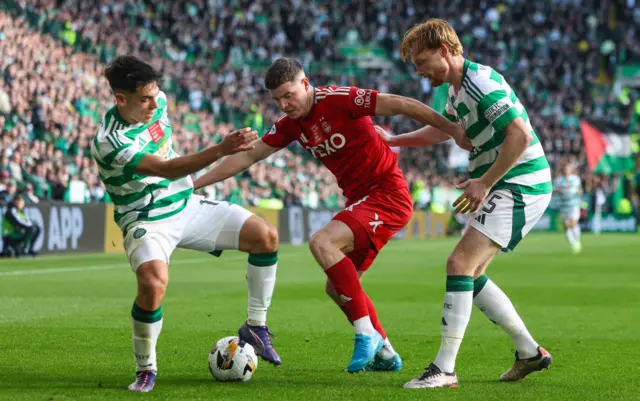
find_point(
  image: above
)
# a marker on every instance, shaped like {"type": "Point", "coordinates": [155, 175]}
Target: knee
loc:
{"type": "Point", "coordinates": [267, 241]}
{"type": "Point", "coordinates": [457, 266]}
{"type": "Point", "coordinates": [319, 243]}
{"type": "Point", "coordinates": [151, 282]}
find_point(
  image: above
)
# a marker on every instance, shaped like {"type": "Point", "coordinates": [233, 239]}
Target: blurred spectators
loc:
{"type": "Point", "coordinates": [560, 60]}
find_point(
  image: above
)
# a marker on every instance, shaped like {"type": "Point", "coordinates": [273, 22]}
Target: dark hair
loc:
{"type": "Point", "coordinates": [282, 70]}
{"type": "Point", "coordinates": [128, 73]}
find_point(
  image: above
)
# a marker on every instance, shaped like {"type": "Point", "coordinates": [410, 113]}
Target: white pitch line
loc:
{"type": "Point", "coordinates": [54, 270]}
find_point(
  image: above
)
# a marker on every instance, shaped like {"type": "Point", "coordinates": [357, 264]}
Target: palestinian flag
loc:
{"type": "Point", "coordinates": [608, 147]}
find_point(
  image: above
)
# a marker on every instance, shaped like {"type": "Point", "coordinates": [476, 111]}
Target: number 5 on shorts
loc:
{"type": "Point", "coordinates": [491, 204]}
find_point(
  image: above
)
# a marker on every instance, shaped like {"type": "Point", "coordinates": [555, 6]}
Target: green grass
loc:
{"type": "Point", "coordinates": [65, 325]}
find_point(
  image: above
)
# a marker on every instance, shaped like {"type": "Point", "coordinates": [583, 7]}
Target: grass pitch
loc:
{"type": "Point", "coordinates": [65, 325]}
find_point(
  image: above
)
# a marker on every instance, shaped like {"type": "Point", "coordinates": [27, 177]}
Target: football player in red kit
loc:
{"type": "Point", "coordinates": [334, 125]}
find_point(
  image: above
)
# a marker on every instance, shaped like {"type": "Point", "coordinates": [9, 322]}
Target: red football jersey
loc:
{"type": "Point", "coordinates": [339, 132]}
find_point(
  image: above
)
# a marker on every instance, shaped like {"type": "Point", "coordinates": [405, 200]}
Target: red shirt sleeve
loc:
{"type": "Point", "coordinates": [281, 134]}
{"type": "Point", "coordinates": [362, 102]}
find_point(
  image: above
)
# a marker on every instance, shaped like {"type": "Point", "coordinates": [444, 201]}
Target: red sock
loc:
{"type": "Point", "coordinates": [345, 280]}
{"type": "Point", "coordinates": [346, 312]}
{"type": "Point", "coordinates": [374, 317]}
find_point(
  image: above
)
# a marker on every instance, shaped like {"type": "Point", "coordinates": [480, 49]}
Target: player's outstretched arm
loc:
{"type": "Point", "coordinates": [392, 105]}
{"type": "Point", "coordinates": [424, 136]}
{"type": "Point", "coordinates": [237, 141]}
{"type": "Point", "coordinates": [232, 165]}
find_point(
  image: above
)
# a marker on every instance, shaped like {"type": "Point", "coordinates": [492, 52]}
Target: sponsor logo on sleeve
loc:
{"type": "Point", "coordinates": [363, 98]}
{"type": "Point", "coordinates": [496, 110]}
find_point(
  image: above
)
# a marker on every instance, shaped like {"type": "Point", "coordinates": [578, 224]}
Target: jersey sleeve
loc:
{"type": "Point", "coordinates": [114, 151]}
{"type": "Point", "coordinates": [361, 102]}
{"type": "Point", "coordinates": [495, 104]}
{"type": "Point", "coordinates": [281, 134]}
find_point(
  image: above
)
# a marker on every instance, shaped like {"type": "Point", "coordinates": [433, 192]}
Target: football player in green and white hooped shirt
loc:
{"type": "Point", "coordinates": [507, 193]}
{"type": "Point", "coordinates": [157, 211]}
{"type": "Point", "coordinates": [568, 188]}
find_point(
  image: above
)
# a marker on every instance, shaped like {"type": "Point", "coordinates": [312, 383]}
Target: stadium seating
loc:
{"type": "Point", "coordinates": [559, 60]}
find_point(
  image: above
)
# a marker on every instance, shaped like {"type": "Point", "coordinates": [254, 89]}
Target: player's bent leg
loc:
{"type": "Point", "coordinates": [473, 249]}
{"type": "Point", "coordinates": [216, 226]}
{"type": "Point", "coordinates": [387, 359]}
{"type": "Point", "coordinates": [146, 313]}
{"type": "Point", "coordinates": [260, 240]}
{"type": "Point", "coordinates": [328, 246]}
{"type": "Point", "coordinates": [497, 307]}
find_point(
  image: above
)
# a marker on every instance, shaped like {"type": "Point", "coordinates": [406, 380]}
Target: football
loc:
{"type": "Point", "coordinates": [232, 359]}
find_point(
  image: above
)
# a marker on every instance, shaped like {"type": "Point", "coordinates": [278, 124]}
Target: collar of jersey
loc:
{"type": "Point", "coordinates": [311, 112]}
{"type": "Point", "coordinates": [465, 68]}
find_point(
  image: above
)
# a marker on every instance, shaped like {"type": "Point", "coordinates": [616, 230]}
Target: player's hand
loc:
{"type": "Point", "coordinates": [475, 192]}
{"type": "Point", "coordinates": [238, 141]}
{"type": "Point", "coordinates": [462, 140]}
{"type": "Point", "coordinates": [383, 134]}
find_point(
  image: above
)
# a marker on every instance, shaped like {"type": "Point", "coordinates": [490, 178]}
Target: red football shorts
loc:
{"type": "Point", "coordinates": [374, 220]}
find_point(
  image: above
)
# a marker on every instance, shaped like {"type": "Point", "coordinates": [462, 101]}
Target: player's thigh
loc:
{"type": "Point", "coordinates": [473, 249]}
{"type": "Point", "coordinates": [151, 241]}
{"type": "Point", "coordinates": [376, 218]}
{"type": "Point", "coordinates": [335, 235]}
{"type": "Point", "coordinates": [212, 225]}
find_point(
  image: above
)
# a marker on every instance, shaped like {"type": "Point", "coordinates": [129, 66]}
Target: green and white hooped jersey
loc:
{"type": "Point", "coordinates": [568, 191]}
{"type": "Point", "coordinates": [118, 148]}
{"type": "Point", "coordinates": [484, 106]}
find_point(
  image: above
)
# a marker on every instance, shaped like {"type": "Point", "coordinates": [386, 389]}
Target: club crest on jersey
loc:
{"type": "Point", "coordinates": [164, 149]}
{"type": "Point", "coordinates": [326, 127]}
{"type": "Point", "coordinates": [155, 131]}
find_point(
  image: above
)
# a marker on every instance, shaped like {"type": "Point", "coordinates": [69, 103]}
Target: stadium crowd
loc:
{"type": "Point", "coordinates": [559, 59]}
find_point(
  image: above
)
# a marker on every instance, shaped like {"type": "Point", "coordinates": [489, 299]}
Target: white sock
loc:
{"type": "Point", "coordinates": [570, 236]}
{"type": "Point", "coordinates": [499, 309]}
{"type": "Point", "coordinates": [576, 233]}
{"type": "Point", "coordinates": [145, 336]}
{"type": "Point", "coordinates": [364, 326]}
{"type": "Point", "coordinates": [261, 279]}
{"type": "Point", "coordinates": [456, 312]}
{"type": "Point", "coordinates": [387, 351]}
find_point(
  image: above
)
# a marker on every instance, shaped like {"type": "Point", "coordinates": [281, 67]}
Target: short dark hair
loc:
{"type": "Point", "coordinates": [128, 73]}
{"type": "Point", "coordinates": [282, 70]}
